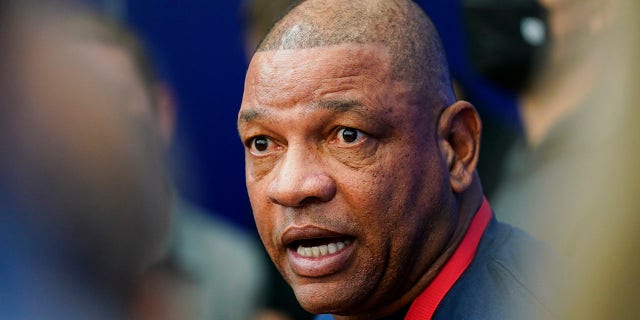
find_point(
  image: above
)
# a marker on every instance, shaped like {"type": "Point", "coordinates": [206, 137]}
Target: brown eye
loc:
{"type": "Point", "coordinates": [261, 143]}
{"type": "Point", "coordinates": [262, 146]}
{"type": "Point", "coordinates": [349, 135]}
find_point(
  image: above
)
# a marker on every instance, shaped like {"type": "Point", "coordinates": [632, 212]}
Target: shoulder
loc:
{"type": "Point", "coordinates": [513, 276]}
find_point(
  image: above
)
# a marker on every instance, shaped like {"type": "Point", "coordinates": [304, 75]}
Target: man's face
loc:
{"type": "Point", "coordinates": [344, 175]}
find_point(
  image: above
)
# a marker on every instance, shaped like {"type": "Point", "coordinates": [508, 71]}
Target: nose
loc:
{"type": "Point", "coordinates": [301, 179]}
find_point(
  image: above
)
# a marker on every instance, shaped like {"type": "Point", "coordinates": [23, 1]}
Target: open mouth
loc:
{"type": "Point", "coordinates": [320, 247]}
{"type": "Point", "coordinates": [316, 252]}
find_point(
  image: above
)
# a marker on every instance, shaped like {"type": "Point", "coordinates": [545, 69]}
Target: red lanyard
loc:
{"type": "Point", "coordinates": [427, 302]}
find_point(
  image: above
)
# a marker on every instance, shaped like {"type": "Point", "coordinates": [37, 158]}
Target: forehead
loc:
{"type": "Point", "coordinates": [285, 77]}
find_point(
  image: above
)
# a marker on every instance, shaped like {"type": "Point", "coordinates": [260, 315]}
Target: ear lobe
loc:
{"type": "Point", "coordinates": [459, 130]}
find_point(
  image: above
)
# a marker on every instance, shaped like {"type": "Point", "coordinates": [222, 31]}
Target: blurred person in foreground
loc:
{"type": "Point", "coordinates": [575, 172]}
{"type": "Point", "coordinates": [360, 168]}
{"type": "Point", "coordinates": [212, 269]}
{"type": "Point", "coordinates": [83, 193]}
{"type": "Point", "coordinates": [575, 85]}
{"type": "Point", "coordinates": [608, 283]}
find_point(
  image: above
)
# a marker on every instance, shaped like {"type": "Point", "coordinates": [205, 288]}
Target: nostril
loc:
{"type": "Point", "coordinates": [310, 201]}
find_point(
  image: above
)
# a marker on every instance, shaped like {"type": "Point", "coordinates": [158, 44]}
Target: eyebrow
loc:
{"type": "Point", "coordinates": [249, 115]}
{"type": "Point", "coordinates": [338, 106]}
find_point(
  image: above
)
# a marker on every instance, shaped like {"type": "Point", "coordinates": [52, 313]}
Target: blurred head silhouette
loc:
{"type": "Point", "coordinates": [82, 171]}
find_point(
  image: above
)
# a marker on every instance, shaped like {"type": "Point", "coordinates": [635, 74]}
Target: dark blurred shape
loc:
{"type": "Point", "coordinates": [560, 131]}
{"type": "Point", "coordinates": [167, 292]}
{"type": "Point", "coordinates": [212, 270]}
{"type": "Point", "coordinates": [506, 39]}
{"type": "Point", "coordinates": [572, 177]}
{"type": "Point", "coordinates": [597, 156]}
{"type": "Point", "coordinates": [83, 188]}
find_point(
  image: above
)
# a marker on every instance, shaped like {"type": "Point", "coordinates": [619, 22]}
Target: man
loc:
{"type": "Point", "coordinates": [360, 168]}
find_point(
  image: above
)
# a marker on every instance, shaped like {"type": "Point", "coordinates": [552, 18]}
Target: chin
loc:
{"type": "Point", "coordinates": [330, 298]}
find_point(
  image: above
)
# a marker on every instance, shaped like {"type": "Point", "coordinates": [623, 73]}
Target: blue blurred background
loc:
{"type": "Point", "coordinates": [198, 45]}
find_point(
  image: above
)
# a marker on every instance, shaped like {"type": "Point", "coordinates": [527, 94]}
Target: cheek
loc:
{"type": "Point", "coordinates": [265, 224]}
{"type": "Point", "coordinates": [400, 185]}
{"type": "Point", "coordinates": [362, 188]}
{"type": "Point", "coordinates": [260, 209]}
{"type": "Point", "coordinates": [257, 168]}
{"type": "Point", "coordinates": [390, 177]}
{"type": "Point", "coordinates": [268, 219]}
{"type": "Point", "coordinates": [260, 206]}
{"type": "Point", "coordinates": [359, 157]}
{"type": "Point", "coordinates": [374, 195]}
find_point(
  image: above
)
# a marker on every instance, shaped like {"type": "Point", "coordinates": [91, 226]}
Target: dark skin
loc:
{"type": "Point", "coordinates": [337, 150]}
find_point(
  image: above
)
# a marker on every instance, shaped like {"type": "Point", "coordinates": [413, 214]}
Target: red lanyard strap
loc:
{"type": "Point", "coordinates": [425, 305]}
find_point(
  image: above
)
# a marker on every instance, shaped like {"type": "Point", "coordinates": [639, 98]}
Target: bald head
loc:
{"type": "Point", "coordinates": [417, 55]}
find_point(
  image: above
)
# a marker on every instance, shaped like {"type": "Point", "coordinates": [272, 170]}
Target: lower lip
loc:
{"type": "Point", "coordinates": [316, 267]}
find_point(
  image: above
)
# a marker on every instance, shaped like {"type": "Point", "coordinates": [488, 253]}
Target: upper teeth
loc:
{"type": "Point", "coordinates": [322, 250]}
